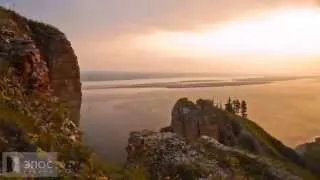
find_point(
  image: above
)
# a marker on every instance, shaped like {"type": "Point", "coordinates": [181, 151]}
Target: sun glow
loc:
{"type": "Point", "coordinates": [286, 33]}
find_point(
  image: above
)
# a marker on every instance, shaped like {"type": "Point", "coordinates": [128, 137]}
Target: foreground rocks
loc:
{"type": "Point", "coordinates": [167, 156]}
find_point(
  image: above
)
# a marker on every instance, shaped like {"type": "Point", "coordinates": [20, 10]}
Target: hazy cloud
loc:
{"type": "Point", "coordinates": [102, 31]}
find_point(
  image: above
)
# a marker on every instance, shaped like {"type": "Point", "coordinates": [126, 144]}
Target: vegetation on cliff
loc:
{"type": "Point", "coordinates": [38, 122]}
{"type": "Point", "coordinates": [191, 121]}
{"type": "Point", "coordinates": [311, 153]}
{"type": "Point", "coordinates": [56, 51]}
{"type": "Point", "coordinates": [40, 97]}
{"type": "Point", "coordinates": [167, 156]}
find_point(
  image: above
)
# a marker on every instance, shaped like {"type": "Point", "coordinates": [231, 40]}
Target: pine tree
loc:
{"type": "Point", "coordinates": [229, 106]}
{"type": "Point", "coordinates": [244, 109]}
{"type": "Point", "coordinates": [237, 106]}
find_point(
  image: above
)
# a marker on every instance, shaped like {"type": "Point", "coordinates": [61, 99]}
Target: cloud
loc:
{"type": "Point", "coordinates": [103, 31]}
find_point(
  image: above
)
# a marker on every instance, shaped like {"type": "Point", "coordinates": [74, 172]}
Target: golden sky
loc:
{"type": "Point", "coordinates": [255, 36]}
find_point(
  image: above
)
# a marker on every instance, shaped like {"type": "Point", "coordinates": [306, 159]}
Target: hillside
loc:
{"type": "Point", "coordinates": [311, 153]}
{"type": "Point", "coordinates": [206, 141]}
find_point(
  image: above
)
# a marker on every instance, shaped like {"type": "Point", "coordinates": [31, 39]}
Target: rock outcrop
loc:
{"type": "Point", "coordinates": [37, 111]}
{"type": "Point", "coordinates": [204, 141]}
{"type": "Point", "coordinates": [168, 156]}
{"type": "Point", "coordinates": [193, 120]}
{"type": "Point", "coordinates": [42, 57]}
{"type": "Point", "coordinates": [40, 98]}
{"type": "Point", "coordinates": [24, 60]}
{"type": "Point", "coordinates": [62, 63]}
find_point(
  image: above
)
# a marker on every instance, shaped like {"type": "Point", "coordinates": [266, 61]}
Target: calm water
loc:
{"type": "Point", "coordinates": [289, 110]}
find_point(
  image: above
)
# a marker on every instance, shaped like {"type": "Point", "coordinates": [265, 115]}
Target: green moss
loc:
{"type": "Point", "coordinates": [262, 137]}
{"type": "Point", "coordinates": [281, 155]}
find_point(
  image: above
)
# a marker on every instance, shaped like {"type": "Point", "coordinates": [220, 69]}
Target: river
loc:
{"type": "Point", "coordinates": [289, 110]}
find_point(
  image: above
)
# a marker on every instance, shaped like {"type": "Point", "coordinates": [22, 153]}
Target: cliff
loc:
{"type": "Point", "coordinates": [204, 141]}
{"type": "Point", "coordinates": [192, 120]}
{"type": "Point", "coordinates": [50, 52]}
{"type": "Point", "coordinates": [40, 96]}
{"type": "Point", "coordinates": [62, 63]}
{"type": "Point", "coordinates": [40, 99]}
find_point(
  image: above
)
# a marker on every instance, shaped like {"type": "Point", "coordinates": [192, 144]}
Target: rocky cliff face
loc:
{"type": "Point", "coordinates": [40, 96]}
{"type": "Point", "coordinates": [204, 141]}
{"type": "Point", "coordinates": [43, 57]}
{"type": "Point", "coordinates": [193, 120]}
{"type": "Point", "coordinates": [62, 63]}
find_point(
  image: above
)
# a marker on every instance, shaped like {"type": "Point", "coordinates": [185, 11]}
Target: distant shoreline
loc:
{"type": "Point", "coordinates": [198, 83]}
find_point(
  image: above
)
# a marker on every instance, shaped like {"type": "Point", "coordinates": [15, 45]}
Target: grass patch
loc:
{"type": "Point", "coordinates": [281, 154]}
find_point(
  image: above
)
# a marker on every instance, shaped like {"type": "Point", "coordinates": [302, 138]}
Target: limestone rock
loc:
{"type": "Point", "coordinates": [42, 57]}
{"type": "Point", "coordinates": [166, 155]}
{"type": "Point", "coordinates": [194, 120]}
{"type": "Point", "coordinates": [64, 71]}
{"type": "Point", "coordinates": [24, 57]}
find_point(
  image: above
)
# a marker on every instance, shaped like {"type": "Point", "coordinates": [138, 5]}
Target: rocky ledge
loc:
{"type": "Point", "coordinates": [167, 156]}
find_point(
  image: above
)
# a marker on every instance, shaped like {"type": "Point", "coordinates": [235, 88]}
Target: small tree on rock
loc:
{"type": "Point", "coordinates": [244, 109]}
{"type": "Point", "coordinates": [236, 106]}
{"type": "Point", "coordinates": [229, 106]}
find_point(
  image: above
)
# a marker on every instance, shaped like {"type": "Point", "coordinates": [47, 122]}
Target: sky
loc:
{"type": "Point", "coordinates": [221, 36]}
